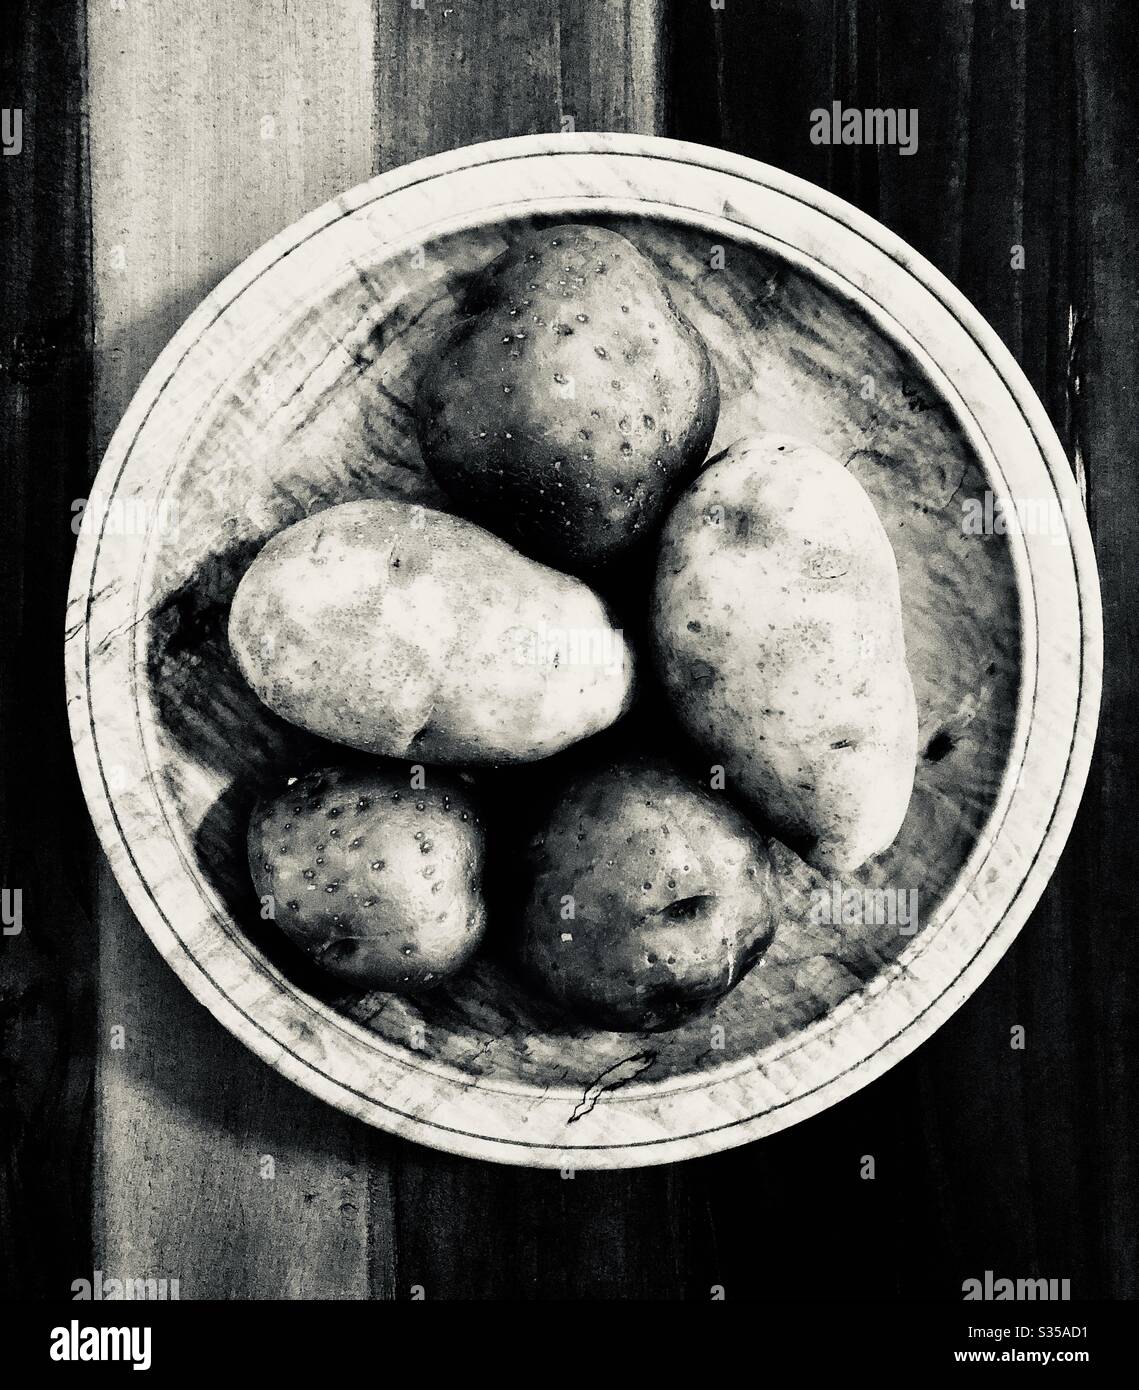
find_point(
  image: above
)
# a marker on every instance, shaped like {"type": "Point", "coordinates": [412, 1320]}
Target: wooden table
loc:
{"type": "Point", "coordinates": [166, 141]}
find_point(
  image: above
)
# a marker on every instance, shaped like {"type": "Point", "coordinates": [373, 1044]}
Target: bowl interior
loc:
{"type": "Point", "coordinates": [322, 415]}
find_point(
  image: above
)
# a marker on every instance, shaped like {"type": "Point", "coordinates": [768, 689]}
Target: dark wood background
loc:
{"type": "Point", "coordinates": [147, 1163]}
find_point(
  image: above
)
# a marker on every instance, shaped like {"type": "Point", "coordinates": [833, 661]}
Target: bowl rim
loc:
{"type": "Point", "coordinates": [651, 1137]}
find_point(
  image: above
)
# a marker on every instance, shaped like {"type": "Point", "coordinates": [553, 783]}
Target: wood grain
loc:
{"type": "Point", "coordinates": [448, 75]}
{"type": "Point", "coordinates": [211, 127]}
{"type": "Point", "coordinates": [47, 969]}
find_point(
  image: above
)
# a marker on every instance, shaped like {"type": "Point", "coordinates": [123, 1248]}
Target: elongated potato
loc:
{"type": "Point", "coordinates": [410, 633]}
{"type": "Point", "coordinates": [777, 632]}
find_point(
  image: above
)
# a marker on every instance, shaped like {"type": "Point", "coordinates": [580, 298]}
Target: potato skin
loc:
{"type": "Point", "coordinates": [411, 633]}
{"type": "Point", "coordinates": [574, 399]}
{"type": "Point", "coordinates": [776, 629]}
{"type": "Point", "coordinates": [674, 898]}
{"type": "Point", "coordinates": [379, 884]}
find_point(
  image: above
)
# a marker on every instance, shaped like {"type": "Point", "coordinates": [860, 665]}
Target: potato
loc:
{"type": "Point", "coordinates": [410, 633]}
{"type": "Point", "coordinates": [374, 874]}
{"type": "Point", "coordinates": [649, 898]}
{"type": "Point", "coordinates": [776, 629]}
{"type": "Point", "coordinates": [573, 399]}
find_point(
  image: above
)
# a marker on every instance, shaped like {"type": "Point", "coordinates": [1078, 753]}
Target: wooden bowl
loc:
{"type": "Point", "coordinates": [288, 390]}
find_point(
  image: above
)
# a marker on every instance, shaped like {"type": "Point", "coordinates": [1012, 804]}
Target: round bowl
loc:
{"type": "Point", "coordinates": [288, 390]}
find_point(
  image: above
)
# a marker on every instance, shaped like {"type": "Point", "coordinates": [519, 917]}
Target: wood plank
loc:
{"type": "Point", "coordinates": [999, 1159]}
{"type": "Point", "coordinates": [979, 193]}
{"type": "Point", "coordinates": [469, 1230]}
{"type": "Point", "coordinates": [452, 74]}
{"type": "Point", "coordinates": [47, 967]}
{"type": "Point", "coordinates": [211, 128]}
{"type": "Point", "coordinates": [1098, 889]}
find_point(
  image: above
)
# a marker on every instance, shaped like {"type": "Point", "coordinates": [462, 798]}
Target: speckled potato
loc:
{"type": "Point", "coordinates": [649, 898]}
{"type": "Point", "coordinates": [572, 401]}
{"type": "Point", "coordinates": [407, 632]}
{"type": "Point", "coordinates": [374, 875]}
{"type": "Point", "coordinates": [776, 629]}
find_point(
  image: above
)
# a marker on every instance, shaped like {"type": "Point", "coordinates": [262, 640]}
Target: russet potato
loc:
{"type": "Point", "coordinates": [410, 633]}
{"type": "Point", "coordinates": [374, 874]}
{"type": "Point", "coordinates": [571, 400]}
{"type": "Point", "coordinates": [649, 897]}
{"type": "Point", "coordinates": [776, 630]}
